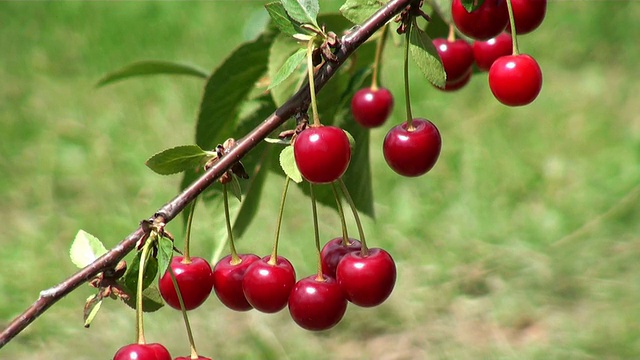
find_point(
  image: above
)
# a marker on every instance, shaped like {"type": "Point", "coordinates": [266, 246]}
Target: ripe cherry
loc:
{"type": "Point", "coordinates": [317, 304]}
{"type": "Point", "coordinates": [227, 281]}
{"type": "Point", "coordinates": [333, 251]}
{"type": "Point", "coordinates": [515, 80]}
{"type": "Point", "coordinates": [371, 108]}
{"type": "Point", "coordinates": [412, 152]}
{"type": "Point", "coordinates": [161, 352]}
{"type": "Point", "coordinates": [322, 153]}
{"type": "Point", "coordinates": [483, 23]}
{"type": "Point", "coordinates": [456, 56]}
{"type": "Point", "coordinates": [486, 52]}
{"type": "Point", "coordinates": [367, 280]}
{"type": "Point", "coordinates": [267, 287]}
{"type": "Point", "coordinates": [142, 352]}
{"type": "Point", "coordinates": [195, 280]}
{"type": "Point", "coordinates": [528, 15]}
{"type": "Point", "coordinates": [458, 84]}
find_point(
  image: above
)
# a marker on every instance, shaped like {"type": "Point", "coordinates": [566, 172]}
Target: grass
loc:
{"type": "Point", "coordinates": [522, 243]}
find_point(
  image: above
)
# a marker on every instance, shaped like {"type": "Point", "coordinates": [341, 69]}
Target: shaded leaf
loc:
{"type": "Point", "coordinates": [177, 159]}
{"type": "Point", "coordinates": [165, 253]}
{"type": "Point", "coordinates": [303, 11]}
{"type": "Point", "coordinates": [289, 66]}
{"type": "Point", "coordinates": [471, 5]}
{"type": "Point", "coordinates": [281, 19]}
{"type": "Point", "coordinates": [130, 278]}
{"type": "Point", "coordinates": [281, 50]}
{"type": "Point", "coordinates": [234, 188]}
{"type": "Point", "coordinates": [151, 67]}
{"type": "Point", "coordinates": [85, 249]}
{"type": "Point", "coordinates": [357, 11]}
{"type": "Point", "coordinates": [91, 308]}
{"type": "Point", "coordinates": [151, 299]}
{"type": "Point", "coordinates": [425, 55]}
{"type": "Point", "coordinates": [288, 164]}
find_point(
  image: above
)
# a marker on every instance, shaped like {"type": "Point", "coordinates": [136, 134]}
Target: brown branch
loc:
{"type": "Point", "coordinates": [298, 102]}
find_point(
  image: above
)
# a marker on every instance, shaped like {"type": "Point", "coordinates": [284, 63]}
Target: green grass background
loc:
{"type": "Point", "coordinates": [522, 243]}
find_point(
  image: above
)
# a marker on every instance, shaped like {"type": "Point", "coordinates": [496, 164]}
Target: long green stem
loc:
{"type": "Point", "coordinates": [143, 260]}
{"type": "Point", "coordinates": [235, 259]}
{"type": "Point", "coordinates": [192, 344]}
{"type": "Point", "coordinates": [343, 221]}
{"type": "Point", "coordinates": [312, 86]}
{"type": "Point", "coordinates": [364, 250]}
{"type": "Point", "coordinates": [407, 99]}
{"type": "Point", "coordinates": [186, 259]}
{"type": "Point", "coordinates": [376, 61]}
{"type": "Point", "coordinates": [274, 254]}
{"type": "Point", "coordinates": [316, 232]}
{"type": "Point", "coordinates": [514, 36]}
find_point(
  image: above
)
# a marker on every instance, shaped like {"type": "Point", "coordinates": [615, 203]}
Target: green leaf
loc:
{"type": "Point", "coordinates": [151, 299]}
{"type": "Point", "coordinates": [438, 27]}
{"type": "Point", "coordinates": [249, 206]}
{"type": "Point", "coordinates": [130, 278]}
{"type": "Point", "coordinates": [91, 308]}
{"type": "Point", "coordinates": [280, 51]}
{"type": "Point", "coordinates": [151, 67]}
{"type": "Point", "coordinates": [357, 11]}
{"type": "Point", "coordinates": [235, 188]}
{"type": "Point", "coordinates": [303, 11]}
{"type": "Point", "coordinates": [289, 66]}
{"type": "Point", "coordinates": [165, 253]}
{"type": "Point", "coordinates": [176, 159]}
{"type": "Point", "coordinates": [471, 5]}
{"type": "Point", "coordinates": [281, 19]}
{"type": "Point", "coordinates": [85, 249]}
{"type": "Point", "coordinates": [424, 53]}
{"type": "Point", "coordinates": [288, 164]}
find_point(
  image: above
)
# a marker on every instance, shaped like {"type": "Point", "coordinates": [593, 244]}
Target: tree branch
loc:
{"type": "Point", "coordinates": [298, 102]}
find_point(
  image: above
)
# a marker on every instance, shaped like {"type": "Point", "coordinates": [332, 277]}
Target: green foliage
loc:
{"type": "Point", "coordinates": [425, 55]}
{"type": "Point", "coordinates": [130, 278]}
{"type": "Point", "coordinates": [165, 253]}
{"type": "Point", "coordinates": [151, 299]}
{"type": "Point", "coordinates": [288, 164]}
{"type": "Point", "coordinates": [91, 308]}
{"type": "Point", "coordinates": [303, 11]}
{"type": "Point", "coordinates": [357, 11]}
{"type": "Point", "coordinates": [471, 5]}
{"type": "Point", "coordinates": [289, 66]}
{"type": "Point", "coordinates": [85, 249]}
{"type": "Point", "coordinates": [151, 67]}
{"type": "Point", "coordinates": [282, 20]}
{"type": "Point", "coordinates": [177, 159]}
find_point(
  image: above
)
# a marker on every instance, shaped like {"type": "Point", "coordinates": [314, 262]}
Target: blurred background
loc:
{"type": "Point", "coordinates": [522, 243]}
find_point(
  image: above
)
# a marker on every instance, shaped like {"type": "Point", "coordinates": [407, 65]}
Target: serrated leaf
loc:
{"type": "Point", "coordinates": [165, 253]}
{"type": "Point", "coordinates": [176, 159]}
{"type": "Point", "coordinates": [130, 278]}
{"type": "Point", "coordinates": [235, 188]}
{"type": "Point", "coordinates": [85, 249]}
{"type": "Point", "coordinates": [357, 11]}
{"type": "Point", "coordinates": [151, 299]}
{"type": "Point", "coordinates": [289, 66]}
{"type": "Point", "coordinates": [303, 11]}
{"type": "Point", "coordinates": [91, 308]}
{"type": "Point", "coordinates": [288, 164]}
{"type": "Point", "coordinates": [425, 55]}
{"type": "Point", "coordinates": [151, 67]}
{"type": "Point", "coordinates": [281, 19]}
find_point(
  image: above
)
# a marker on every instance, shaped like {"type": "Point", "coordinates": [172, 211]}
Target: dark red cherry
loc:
{"type": "Point", "coordinates": [515, 80]}
{"type": "Point", "coordinates": [195, 280]}
{"type": "Point", "coordinates": [486, 52]}
{"type": "Point", "coordinates": [412, 152]}
{"type": "Point", "coordinates": [458, 84]}
{"type": "Point", "coordinates": [333, 251]}
{"type": "Point", "coordinates": [528, 15]}
{"type": "Point", "coordinates": [367, 280]}
{"type": "Point", "coordinates": [371, 108]}
{"type": "Point", "coordinates": [483, 23]}
{"type": "Point", "coordinates": [267, 287]}
{"type": "Point", "coordinates": [456, 56]}
{"type": "Point", "coordinates": [317, 304]}
{"type": "Point", "coordinates": [322, 153]}
{"type": "Point", "coordinates": [142, 352]}
{"type": "Point", "coordinates": [227, 281]}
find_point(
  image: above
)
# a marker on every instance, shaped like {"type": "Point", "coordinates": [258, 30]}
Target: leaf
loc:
{"type": "Point", "coordinates": [151, 299]}
{"type": "Point", "coordinates": [176, 159]}
{"type": "Point", "coordinates": [130, 278]}
{"type": "Point", "coordinates": [281, 19]}
{"type": "Point", "coordinates": [165, 253]}
{"type": "Point", "coordinates": [303, 11]}
{"type": "Point", "coordinates": [235, 188]}
{"type": "Point", "coordinates": [85, 249]}
{"type": "Point", "coordinates": [424, 53]}
{"type": "Point", "coordinates": [151, 67]}
{"type": "Point", "coordinates": [440, 18]}
{"type": "Point", "coordinates": [277, 141]}
{"type": "Point", "coordinates": [281, 49]}
{"type": "Point", "coordinates": [289, 66]}
{"type": "Point", "coordinates": [471, 5]}
{"type": "Point", "coordinates": [288, 164]}
{"type": "Point", "coordinates": [91, 308]}
{"type": "Point", "coordinates": [357, 11]}
{"type": "Point", "coordinates": [249, 206]}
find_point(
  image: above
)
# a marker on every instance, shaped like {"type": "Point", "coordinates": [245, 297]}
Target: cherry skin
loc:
{"type": "Point", "coordinates": [371, 108]}
{"type": "Point", "coordinates": [195, 280]}
{"type": "Point", "coordinates": [267, 287]}
{"type": "Point", "coordinates": [412, 153]}
{"type": "Point", "coordinates": [333, 251]}
{"type": "Point", "coordinates": [161, 352]}
{"type": "Point", "coordinates": [486, 52]}
{"type": "Point", "coordinates": [458, 84]}
{"type": "Point", "coordinates": [317, 304]}
{"type": "Point", "coordinates": [515, 80]}
{"type": "Point", "coordinates": [227, 281]}
{"type": "Point", "coordinates": [142, 352]}
{"type": "Point", "coordinates": [528, 15]}
{"type": "Point", "coordinates": [322, 153]}
{"type": "Point", "coordinates": [456, 56]}
{"type": "Point", "coordinates": [485, 22]}
{"type": "Point", "coordinates": [367, 280]}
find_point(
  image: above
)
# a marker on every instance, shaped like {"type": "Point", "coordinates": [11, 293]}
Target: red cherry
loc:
{"type": "Point", "coordinates": [142, 352]}
{"type": "Point", "coordinates": [456, 56]}
{"type": "Point", "coordinates": [528, 15]}
{"type": "Point", "coordinates": [412, 153]}
{"type": "Point", "coordinates": [333, 251]}
{"type": "Point", "coordinates": [483, 23]}
{"type": "Point", "coordinates": [322, 153]}
{"type": "Point", "coordinates": [195, 280]}
{"type": "Point", "coordinates": [367, 280]}
{"type": "Point", "coordinates": [515, 80]}
{"type": "Point", "coordinates": [227, 281]}
{"type": "Point", "coordinates": [189, 358]}
{"type": "Point", "coordinates": [317, 305]}
{"type": "Point", "coordinates": [458, 84]}
{"type": "Point", "coordinates": [267, 287]}
{"type": "Point", "coordinates": [371, 108]}
{"type": "Point", "coordinates": [161, 352]}
{"type": "Point", "coordinates": [486, 52]}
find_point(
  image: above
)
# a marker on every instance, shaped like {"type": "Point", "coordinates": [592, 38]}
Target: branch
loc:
{"type": "Point", "coordinates": [298, 102]}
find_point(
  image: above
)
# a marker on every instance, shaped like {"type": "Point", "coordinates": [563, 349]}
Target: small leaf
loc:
{"type": "Point", "coordinates": [288, 68]}
{"type": "Point", "coordinates": [151, 299]}
{"type": "Point", "coordinates": [85, 249]}
{"type": "Point", "coordinates": [288, 164]}
{"type": "Point", "coordinates": [280, 50]}
{"type": "Point", "coordinates": [357, 11]}
{"type": "Point", "coordinates": [471, 5]}
{"type": "Point", "coordinates": [151, 67]}
{"type": "Point", "coordinates": [424, 53]}
{"type": "Point", "coordinates": [177, 159]}
{"type": "Point", "coordinates": [165, 253]}
{"type": "Point", "coordinates": [235, 188]}
{"type": "Point", "coordinates": [130, 278]}
{"type": "Point", "coordinates": [303, 11]}
{"type": "Point", "coordinates": [352, 141]}
{"type": "Point", "coordinates": [281, 19]}
{"type": "Point", "coordinates": [91, 308]}
{"type": "Point", "coordinates": [278, 141]}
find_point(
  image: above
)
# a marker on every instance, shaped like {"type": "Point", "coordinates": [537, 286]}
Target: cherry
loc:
{"type": "Point", "coordinates": [267, 287]}
{"type": "Point", "coordinates": [322, 153]}
{"type": "Point", "coordinates": [528, 15]}
{"type": "Point", "coordinates": [317, 304]}
{"type": "Point", "coordinates": [515, 79]}
{"type": "Point", "coordinates": [458, 84]}
{"type": "Point", "coordinates": [195, 280]}
{"type": "Point", "coordinates": [161, 352]}
{"type": "Point", "coordinates": [227, 281]}
{"type": "Point", "coordinates": [412, 152]}
{"type": "Point", "coordinates": [367, 280]}
{"type": "Point", "coordinates": [371, 108]}
{"type": "Point", "coordinates": [142, 352]}
{"type": "Point", "coordinates": [486, 52]}
{"type": "Point", "coordinates": [483, 23]}
{"type": "Point", "coordinates": [333, 251]}
{"type": "Point", "coordinates": [456, 56]}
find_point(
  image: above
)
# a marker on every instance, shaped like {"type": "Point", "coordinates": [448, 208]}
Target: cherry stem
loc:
{"type": "Point", "coordinates": [452, 33]}
{"type": "Point", "coordinates": [192, 344]}
{"type": "Point", "coordinates": [187, 237]}
{"type": "Point", "coordinates": [376, 61]}
{"type": "Point", "coordinates": [514, 36]}
{"type": "Point", "coordinates": [235, 259]}
{"type": "Point", "coordinates": [312, 86]}
{"type": "Point", "coordinates": [407, 100]}
{"type": "Point", "coordinates": [343, 222]}
{"type": "Point", "coordinates": [314, 210]}
{"type": "Point", "coordinates": [274, 254]}
{"type": "Point", "coordinates": [143, 260]}
{"type": "Point", "coordinates": [363, 249]}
